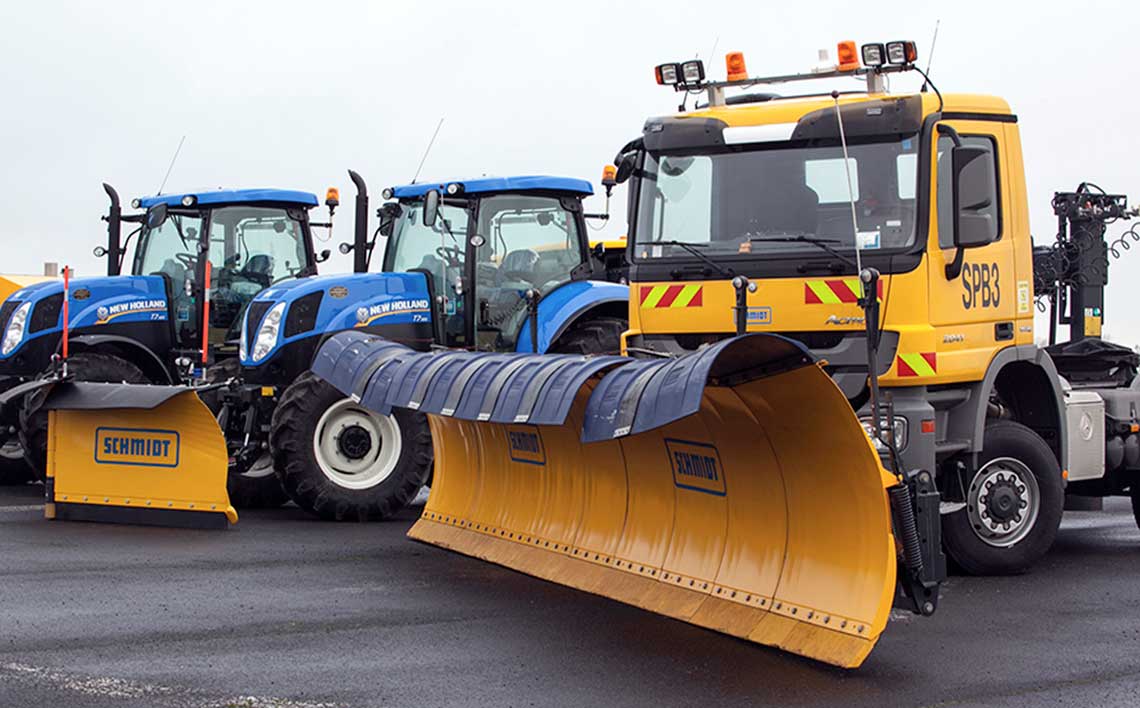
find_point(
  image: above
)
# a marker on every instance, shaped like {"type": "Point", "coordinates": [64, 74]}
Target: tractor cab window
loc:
{"type": "Point", "coordinates": [171, 250]}
{"type": "Point", "coordinates": [438, 249]}
{"type": "Point", "coordinates": [527, 242]}
{"type": "Point", "coordinates": [250, 249]}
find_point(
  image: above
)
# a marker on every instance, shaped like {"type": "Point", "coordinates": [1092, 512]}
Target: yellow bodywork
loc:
{"type": "Point", "coordinates": [11, 283]}
{"type": "Point", "coordinates": [163, 466]}
{"type": "Point", "coordinates": [948, 341]}
{"type": "Point", "coordinates": [783, 536]}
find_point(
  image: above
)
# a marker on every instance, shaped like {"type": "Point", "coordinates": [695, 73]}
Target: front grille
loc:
{"type": "Point", "coordinates": [818, 340]}
{"type": "Point", "coordinates": [45, 315]}
{"type": "Point", "coordinates": [6, 311]}
{"type": "Point", "coordinates": [302, 315]}
{"type": "Point", "coordinates": [253, 315]}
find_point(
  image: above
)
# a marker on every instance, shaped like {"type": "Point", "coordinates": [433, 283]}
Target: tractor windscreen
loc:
{"type": "Point", "coordinates": [249, 249]}
{"type": "Point", "coordinates": [741, 201]}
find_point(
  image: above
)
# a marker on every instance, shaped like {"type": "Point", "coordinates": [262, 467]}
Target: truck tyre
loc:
{"type": "Point", "coordinates": [1013, 504]}
{"type": "Point", "coordinates": [598, 335]}
{"type": "Point", "coordinates": [87, 366]}
{"type": "Point", "coordinates": [1136, 503]}
{"type": "Point", "coordinates": [342, 462]}
{"type": "Point", "coordinates": [254, 486]}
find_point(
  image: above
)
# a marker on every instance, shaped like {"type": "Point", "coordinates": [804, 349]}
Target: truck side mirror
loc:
{"type": "Point", "coordinates": [431, 207]}
{"type": "Point", "coordinates": [626, 164]}
{"type": "Point", "coordinates": [974, 188]}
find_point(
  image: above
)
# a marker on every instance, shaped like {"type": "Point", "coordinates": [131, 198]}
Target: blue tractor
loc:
{"type": "Point", "coordinates": [161, 323]}
{"type": "Point", "coordinates": [488, 264]}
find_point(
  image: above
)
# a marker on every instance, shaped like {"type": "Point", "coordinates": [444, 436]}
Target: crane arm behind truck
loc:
{"type": "Point", "coordinates": [936, 203]}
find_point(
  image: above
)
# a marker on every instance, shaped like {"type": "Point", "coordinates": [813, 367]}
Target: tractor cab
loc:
{"type": "Point", "coordinates": [491, 248]}
{"type": "Point", "coordinates": [235, 243]}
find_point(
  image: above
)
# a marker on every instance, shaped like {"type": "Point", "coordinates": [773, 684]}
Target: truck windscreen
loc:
{"type": "Point", "coordinates": [741, 201]}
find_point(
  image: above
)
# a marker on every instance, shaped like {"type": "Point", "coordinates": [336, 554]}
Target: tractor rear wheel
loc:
{"type": "Point", "coordinates": [342, 462]}
{"type": "Point", "coordinates": [87, 366]}
{"type": "Point", "coordinates": [1013, 504]}
{"type": "Point", "coordinates": [252, 485]}
{"type": "Point", "coordinates": [597, 335]}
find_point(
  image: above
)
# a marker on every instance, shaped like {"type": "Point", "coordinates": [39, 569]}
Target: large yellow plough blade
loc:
{"type": "Point", "coordinates": [135, 454]}
{"type": "Point", "coordinates": [734, 488]}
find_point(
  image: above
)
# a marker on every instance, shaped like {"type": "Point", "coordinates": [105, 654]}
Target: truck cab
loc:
{"type": "Point", "coordinates": [801, 196]}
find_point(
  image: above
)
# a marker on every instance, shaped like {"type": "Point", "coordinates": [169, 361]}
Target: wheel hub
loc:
{"type": "Point", "coordinates": [1003, 502]}
{"type": "Point", "coordinates": [354, 442]}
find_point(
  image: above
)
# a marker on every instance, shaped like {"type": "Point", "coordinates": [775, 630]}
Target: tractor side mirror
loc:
{"type": "Point", "coordinates": [431, 207]}
{"type": "Point", "coordinates": [975, 196]}
{"type": "Point", "coordinates": [324, 255]}
{"type": "Point", "coordinates": [155, 216]}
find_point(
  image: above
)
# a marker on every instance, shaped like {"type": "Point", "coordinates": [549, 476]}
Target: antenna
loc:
{"type": "Point", "coordinates": [172, 161]}
{"type": "Point", "coordinates": [850, 186]}
{"type": "Point", "coordinates": [428, 151]}
{"type": "Point", "coordinates": [930, 56]}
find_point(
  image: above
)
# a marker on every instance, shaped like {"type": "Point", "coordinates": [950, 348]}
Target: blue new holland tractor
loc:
{"type": "Point", "coordinates": [199, 259]}
{"type": "Point", "coordinates": [488, 264]}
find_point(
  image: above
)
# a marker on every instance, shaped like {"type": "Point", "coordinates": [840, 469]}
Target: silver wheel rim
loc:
{"type": "Point", "coordinates": [1014, 479]}
{"type": "Point", "coordinates": [12, 450]}
{"type": "Point", "coordinates": [364, 472]}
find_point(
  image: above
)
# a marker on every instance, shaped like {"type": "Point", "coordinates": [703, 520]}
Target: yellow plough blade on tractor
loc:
{"type": "Point", "coordinates": [733, 488]}
{"type": "Point", "coordinates": [135, 454]}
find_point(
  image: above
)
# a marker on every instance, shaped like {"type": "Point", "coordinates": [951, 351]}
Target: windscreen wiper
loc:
{"type": "Point", "coordinates": [822, 243]}
{"type": "Point", "coordinates": [692, 248]}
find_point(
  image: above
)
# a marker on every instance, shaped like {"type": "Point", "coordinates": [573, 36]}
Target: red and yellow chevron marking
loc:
{"type": "Point", "coordinates": [833, 292]}
{"type": "Point", "coordinates": [660, 296]}
{"type": "Point", "coordinates": [920, 364]}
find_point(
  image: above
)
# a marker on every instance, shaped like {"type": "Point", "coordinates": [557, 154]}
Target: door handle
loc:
{"type": "Point", "coordinates": [1003, 331]}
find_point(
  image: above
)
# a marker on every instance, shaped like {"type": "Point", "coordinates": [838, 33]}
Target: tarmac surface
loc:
{"type": "Point", "coordinates": [283, 611]}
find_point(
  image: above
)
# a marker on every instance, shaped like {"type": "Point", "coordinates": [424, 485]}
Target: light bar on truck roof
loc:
{"type": "Point", "coordinates": [877, 59]}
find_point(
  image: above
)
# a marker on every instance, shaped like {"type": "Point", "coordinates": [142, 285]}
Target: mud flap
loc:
{"type": "Point", "coordinates": [733, 488]}
{"type": "Point", "coordinates": [135, 454]}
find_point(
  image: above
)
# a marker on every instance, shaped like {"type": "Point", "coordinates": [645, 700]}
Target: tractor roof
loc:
{"type": "Point", "coordinates": [482, 185]}
{"type": "Point", "coordinates": [219, 197]}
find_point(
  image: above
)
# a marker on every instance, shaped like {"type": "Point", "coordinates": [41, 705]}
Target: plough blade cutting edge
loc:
{"type": "Point", "coordinates": [135, 454]}
{"type": "Point", "coordinates": [733, 488]}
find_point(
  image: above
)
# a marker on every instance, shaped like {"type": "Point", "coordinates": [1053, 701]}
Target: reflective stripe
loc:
{"type": "Point", "coordinates": [662, 296]}
{"type": "Point", "coordinates": [918, 364]}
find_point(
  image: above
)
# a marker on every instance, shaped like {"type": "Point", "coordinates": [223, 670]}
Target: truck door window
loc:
{"type": "Point", "coordinates": [945, 196]}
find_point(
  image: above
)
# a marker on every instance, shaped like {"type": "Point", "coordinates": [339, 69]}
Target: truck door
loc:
{"type": "Point", "coordinates": [972, 311]}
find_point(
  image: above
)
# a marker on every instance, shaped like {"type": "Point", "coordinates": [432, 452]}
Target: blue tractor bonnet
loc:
{"type": "Point", "coordinates": [233, 196]}
{"type": "Point", "coordinates": [524, 183]}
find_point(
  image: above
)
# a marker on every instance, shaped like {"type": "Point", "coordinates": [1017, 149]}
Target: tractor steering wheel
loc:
{"type": "Point", "coordinates": [451, 255]}
{"type": "Point", "coordinates": [187, 260]}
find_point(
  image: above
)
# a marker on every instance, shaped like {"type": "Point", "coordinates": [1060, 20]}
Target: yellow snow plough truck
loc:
{"type": "Point", "coordinates": [925, 192]}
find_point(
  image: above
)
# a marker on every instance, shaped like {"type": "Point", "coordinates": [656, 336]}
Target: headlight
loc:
{"type": "Point", "coordinates": [899, 424]}
{"type": "Point", "coordinates": [14, 334]}
{"type": "Point", "coordinates": [267, 334]}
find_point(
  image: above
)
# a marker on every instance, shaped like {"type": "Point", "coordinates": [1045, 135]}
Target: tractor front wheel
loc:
{"type": "Point", "coordinates": [343, 462]}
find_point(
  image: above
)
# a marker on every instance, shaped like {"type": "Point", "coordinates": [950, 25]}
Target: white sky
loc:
{"type": "Point", "coordinates": [291, 94]}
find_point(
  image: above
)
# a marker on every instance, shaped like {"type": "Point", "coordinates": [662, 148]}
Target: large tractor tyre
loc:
{"type": "Point", "coordinates": [599, 335]}
{"type": "Point", "coordinates": [87, 366]}
{"type": "Point", "coordinates": [252, 486]}
{"type": "Point", "coordinates": [342, 462]}
{"type": "Point", "coordinates": [14, 469]}
{"type": "Point", "coordinates": [1013, 504]}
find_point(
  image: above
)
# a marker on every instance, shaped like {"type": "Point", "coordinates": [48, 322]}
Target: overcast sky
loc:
{"type": "Point", "coordinates": [291, 94]}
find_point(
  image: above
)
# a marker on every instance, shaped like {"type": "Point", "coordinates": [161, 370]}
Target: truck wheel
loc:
{"type": "Point", "coordinates": [1013, 504]}
{"type": "Point", "coordinates": [88, 366]}
{"type": "Point", "coordinates": [342, 462]}
{"type": "Point", "coordinates": [598, 335]}
{"type": "Point", "coordinates": [1136, 503]}
{"type": "Point", "coordinates": [252, 486]}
